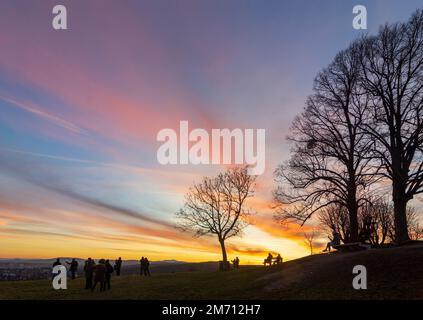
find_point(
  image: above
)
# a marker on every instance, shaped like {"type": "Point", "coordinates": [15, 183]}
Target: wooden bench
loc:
{"type": "Point", "coordinates": [349, 247]}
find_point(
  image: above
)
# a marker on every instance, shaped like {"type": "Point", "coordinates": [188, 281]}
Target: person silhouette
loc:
{"type": "Point", "coordinates": [142, 265]}
{"type": "Point", "coordinates": [146, 267]}
{"type": "Point", "coordinates": [100, 275]}
{"type": "Point", "coordinates": [73, 267]}
{"type": "Point", "coordinates": [270, 257]}
{"type": "Point", "coordinates": [89, 272]}
{"type": "Point", "coordinates": [335, 241]}
{"type": "Point", "coordinates": [118, 266]}
{"type": "Point", "coordinates": [236, 263]}
{"type": "Point", "coordinates": [108, 276]}
{"type": "Point", "coordinates": [278, 259]}
{"type": "Point", "coordinates": [56, 263]}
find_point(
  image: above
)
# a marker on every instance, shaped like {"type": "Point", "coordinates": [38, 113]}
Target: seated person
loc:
{"type": "Point", "coordinates": [335, 241]}
{"type": "Point", "coordinates": [268, 260]}
{"type": "Point", "coordinates": [278, 259]}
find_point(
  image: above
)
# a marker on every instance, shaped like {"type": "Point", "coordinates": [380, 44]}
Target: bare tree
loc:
{"type": "Point", "coordinates": [310, 238]}
{"type": "Point", "coordinates": [217, 206]}
{"type": "Point", "coordinates": [328, 165]}
{"type": "Point", "coordinates": [415, 230]}
{"type": "Point", "coordinates": [334, 218]}
{"type": "Point", "coordinates": [392, 73]}
{"type": "Point", "coordinates": [375, 219]}
{"type": "Point", "coordinates": [362, 124]}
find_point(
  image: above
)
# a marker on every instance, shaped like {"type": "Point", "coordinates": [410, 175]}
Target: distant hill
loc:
{"type": "Point", "coordinates": [21, 268]}
{"type": "Point", "coordinates": [393, 273]}
{"type": "Point", "coordinates": [49, 261]}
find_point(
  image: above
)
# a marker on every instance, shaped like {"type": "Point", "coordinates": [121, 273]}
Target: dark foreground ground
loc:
{"type": "Point", "coordinates": [393, 273]}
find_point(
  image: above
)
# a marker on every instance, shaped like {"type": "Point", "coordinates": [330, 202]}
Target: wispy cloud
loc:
{"type": "Point", "coordinates": [46, 179]}
{"type": "Point", "coordinates": [29, 107]}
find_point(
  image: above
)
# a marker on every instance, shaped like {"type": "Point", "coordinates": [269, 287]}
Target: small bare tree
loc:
{"type": "Point", "coordinates": [416, 231]}
{"type": "Point", "coordinates": [217, 206]}
{"type": "Point", "coordinates": [310, 237]}
{"type": "Point", "coordinates": [334, 218]}
{"type": "Point", "coordinates": [375, 219]}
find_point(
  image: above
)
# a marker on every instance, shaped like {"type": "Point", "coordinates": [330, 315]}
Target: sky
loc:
{"type": "Point", "coordinates": [80, 110]}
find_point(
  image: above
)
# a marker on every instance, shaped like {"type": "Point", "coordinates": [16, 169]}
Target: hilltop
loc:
{"type": "Point", "coordinates": [393, 273]}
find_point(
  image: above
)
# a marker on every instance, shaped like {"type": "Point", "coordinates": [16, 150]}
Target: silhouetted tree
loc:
{"type": "Point", "coordinates": [362, 124]}
{"type": "Point", "coordinates": [334, 218]}
{"type": "Point", "coordinates": [392, 74]}
{"type": "Point", "coordinates": [328, 163]}
{"type": "Point", "coordinates": [217, 206]}
{"type": "Point", "coordinates": [416, 232]}
{"type": "Point", "coordinates": [310, 238]}
{"type": "Point", "coordinates": [375, 219]}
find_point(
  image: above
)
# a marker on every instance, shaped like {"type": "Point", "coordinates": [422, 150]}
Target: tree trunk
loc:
{"type": "Point", "coordinates": [400, 219]}
{"type": "Point", "coordinates": [353, 224]}
{"type": "Point", "coordinates": [352, 212]}
{"type": "Point", "coordinates": [400, 201]}
{"type": "Point", "coordinates": [224, 256]}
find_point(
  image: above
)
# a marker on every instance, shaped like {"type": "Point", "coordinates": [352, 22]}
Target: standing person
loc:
{"type": "Point", "coordinates": [146, 267]}
{"type": "Point", "coordinates": [73, 267]}
{"type": "Point", "coordinates": [235, 263]}
{"type": "Point", "coordinates": [56, 263]}
{"type": "Point", "coordinates": [118, 266]}
{"type": "Point", "coordinates": [142, 265]}
{"type": "Point", "coordinates": [109, 271]}
{"type": "Point", "coordinates": [89, 272]}
{"type": "Point", "coordinates": [100, 275]}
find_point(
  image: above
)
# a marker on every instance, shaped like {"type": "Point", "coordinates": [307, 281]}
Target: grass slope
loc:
{"type": "Point", "coordinates": [394, 273]}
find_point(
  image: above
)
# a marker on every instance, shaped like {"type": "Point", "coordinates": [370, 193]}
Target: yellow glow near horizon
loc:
{"type": "Point", "coordinates": [50, 246]}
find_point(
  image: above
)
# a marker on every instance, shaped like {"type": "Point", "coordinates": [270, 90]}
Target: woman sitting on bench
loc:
{"type": "Point", "coordinates": [335, 241]}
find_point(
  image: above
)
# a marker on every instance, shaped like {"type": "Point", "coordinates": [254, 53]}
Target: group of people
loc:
{"type": "Point", "coordinates": [95, 273]}
{"type": "Point", "coordinates": [235, 263]}
{"type": "Point", "coordinates": [271, 260]}
{"type": "Point", "coordinates": [144, 266]}
{"type": "Point", "coordinates": [100, 273]}
{"type": "Point", "coordinates": [73, 266]}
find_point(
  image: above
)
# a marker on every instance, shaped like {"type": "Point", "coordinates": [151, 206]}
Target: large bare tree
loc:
{"type": "Point", "coordinates": [217, 205]}
{"type": "Point", "coordinates": [392, 73]}
{"type": "Point", "coordinates": [328, 163]}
